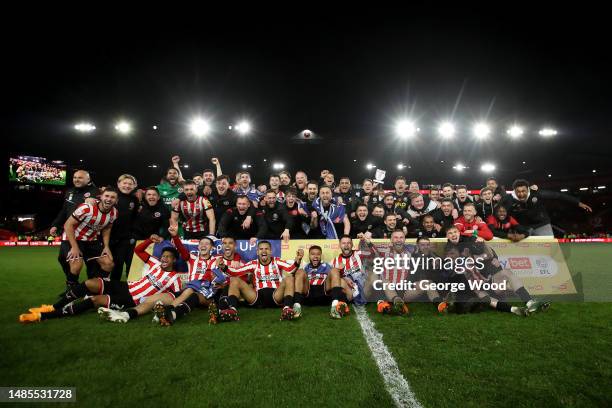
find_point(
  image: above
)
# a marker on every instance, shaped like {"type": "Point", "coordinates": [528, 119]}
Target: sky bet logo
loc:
{"type": "Point", "coordinates": [519, 263]}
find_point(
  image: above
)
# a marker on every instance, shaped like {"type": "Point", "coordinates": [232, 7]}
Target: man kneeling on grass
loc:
{"type": "Point", "coordinates": [273, 281]}
{"type": "Point", "coordinates": [161, 278]}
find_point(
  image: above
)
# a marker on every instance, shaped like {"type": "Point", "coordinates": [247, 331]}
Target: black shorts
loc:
{"type": "Point", "coordinates": [265, 298]}
{"type": "Point", "coordinates": [194, 235]}
{"type": "Point", "coordinates": [89, 249]}
{"type": "Point", "coordinates": [317, 296]}
{"type": "Point", "coordinates": [118, 294]}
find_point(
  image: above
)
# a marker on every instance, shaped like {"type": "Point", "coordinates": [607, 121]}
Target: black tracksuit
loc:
{"type": "Point", "coordinates": [370, 224]}
{"type": "Point", "coordinates": [121, 240]}
{"type": "Point", "coordinates": [276, 220]}
{"type": "Point", "coordinates": [222, 203]}
{"type": "Point", "coordinates": [297, 232]}
{"type": "Point", "coordinates": [532, 213]}
{"type": "Point", "coordinates": [72, 199]}
{"type": "Point", "coordinates": [231, 224]}
{"type": "Point", "coordinates": [443, 220]}
{"type": "Point", "coordinates": [151, 220]}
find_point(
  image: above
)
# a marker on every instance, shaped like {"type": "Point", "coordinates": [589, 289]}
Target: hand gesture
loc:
{"type": "Point", "coordinates": [214, 161]}
{"type": "Point", "coordinates": [176, 159]}
{"type": "Point", "coordinates": [585, 207]}
{"type": "Point", "coordinates": [173, 230]}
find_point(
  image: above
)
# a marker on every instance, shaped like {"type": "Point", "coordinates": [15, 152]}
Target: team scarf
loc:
{"type": "Point", "coordinates": [335, 214]}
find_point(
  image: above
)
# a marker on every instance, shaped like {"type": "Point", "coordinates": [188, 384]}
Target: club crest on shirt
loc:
{"type": "Point", "coordinates": [156, 214]}
{"type": "Point", "coordinates": [274, 217]}
{"type": "Point", "coordinates": [534, 200]}
{"type": "Point", "coordinates": [131, 205]}
{"type": "Point", "coordinates": [180, 189]}
{"type": "Point", "coordinates": [86, 195]}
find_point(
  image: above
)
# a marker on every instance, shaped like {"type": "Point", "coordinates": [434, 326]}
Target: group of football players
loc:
{"type": "Point", "coordinates": [102, 226]}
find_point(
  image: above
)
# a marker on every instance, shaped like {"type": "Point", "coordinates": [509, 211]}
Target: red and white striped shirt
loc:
{"type": "Point", "coordinates": [266, 276]}
{"type": "Point", "coordinates": [198, 266]}
{"type": "Point", "coordinates": [348, 265]}
{"type": "Point", "coordinates": [155, 281]}
{"type": "Point", "coordinates": [236, 262]}
{"type": "Point", "coordinates": [91, 221]}
{"type": "Point", "coordinates": [194, 213]}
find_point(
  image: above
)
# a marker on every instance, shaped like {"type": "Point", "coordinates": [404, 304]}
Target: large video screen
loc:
{"type": "Point", "coordinates": [37, 170]}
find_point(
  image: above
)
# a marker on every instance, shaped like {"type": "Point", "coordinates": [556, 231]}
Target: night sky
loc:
{"type": "Point", "coordinates": [346, 79]}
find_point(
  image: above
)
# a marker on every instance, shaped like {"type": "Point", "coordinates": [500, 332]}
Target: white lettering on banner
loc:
{"type": "Point", "coordinates": [536, 266]}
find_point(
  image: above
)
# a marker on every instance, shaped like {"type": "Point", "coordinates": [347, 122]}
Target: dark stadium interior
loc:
{"type": "Point", "coordinates": [348, 86]}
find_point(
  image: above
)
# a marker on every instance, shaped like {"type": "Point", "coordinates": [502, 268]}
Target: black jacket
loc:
{"type": "Point", "coordinates": [231, 224]}
{"type": "Point", "coordinates": [443, 220]}
{"type": "Point", "coordinates": [127, 210]}
{"type": "Point", "coordinates": [297, 219]}
{"type": "Point", "coordinates": [222, 203]}
{"type": "Point", "coordinates": [532, 213]}
{"type": "Point", "coordinates": [369, 224]}
{"type": "Point", "coordinates": [484, 210]}
{"type": "Point", "coordinates": [276, 220]}
{"type": "Point", "coordinates": [72, 199]}
{"type": "Point", "coordinates": [151, 220]}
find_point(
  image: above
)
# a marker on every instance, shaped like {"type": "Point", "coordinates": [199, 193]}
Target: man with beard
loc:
{"type": "Point", "coordinates": [285, 180]}
{"type": "Point", "coordinates": [208, 179]}
{"type": "Point", "coordinates": [527, 207]}
{"type": "Point", "coordinates": [444, 217]}
{"type": "Point", "coordinates": [391, 208]}
{"type": "Point", "coordinates": [222, 198]}
{"type": "Point", "coordinates": [363, 225]}
{"type": "Point", "coordinates": [330, 215]}
{"type": "Point", "coordinates": [462, 198]}
{"type": "Point", "coordinates": [312, 193]}
{"type": "Point", "coordinates": [347, 278]}
{"type": "Point", "coordinates": [170, 189]}
{"type": "Point", "coordinates": [244, 188]}
{"type": "Point", "coordinates": [297, 212]}
{"type": "Point", "coordinates": [81, 243]}
{"type": "Point", "coordinates": [153, 217]}
{"type": "Point", "coordinates": [234, 221]}
{"type": "Point", "coordinates": [121, 240]}
{"type": "Point", "coordinates": [273, 284]}
{"type": "Point", "coordinates": [301, 182]}
{"type": "Point", "coordinates": [311, 284]}
{"type": "Point", "coordinates": [83, 190]}
{"type": "Point", "coordinates": [328, 179]}
{"type": "Point", "coordinates": [390, 225]}
{"type": "Point", "coordinates": [197, 214]}
{"type": "Point", "coordinates": [469, 225]}
{"type": "Point", "coordinates": [484, 208]}
{"type": "Point", "coordinates": [277, 222]}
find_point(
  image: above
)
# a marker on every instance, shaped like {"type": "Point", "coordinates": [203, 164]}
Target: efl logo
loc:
{"type": "Point", "coordinates": [519, 263]}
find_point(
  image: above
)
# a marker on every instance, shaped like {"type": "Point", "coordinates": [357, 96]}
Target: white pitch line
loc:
{"type": "Point", "coordinates": [396, 384]}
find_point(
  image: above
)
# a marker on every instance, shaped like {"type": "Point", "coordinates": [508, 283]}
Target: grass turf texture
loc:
{"type": "Point", "coordinates": [560, 358]}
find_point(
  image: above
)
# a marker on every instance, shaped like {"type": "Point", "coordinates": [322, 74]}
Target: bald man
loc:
{"type": "Point", "coordinates": [82, 190]}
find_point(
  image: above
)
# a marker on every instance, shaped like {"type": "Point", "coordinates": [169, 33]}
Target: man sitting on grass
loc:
{"type": "Point", "coordinates": [273, 284]}
{"type": "Point", "coordinates": [312, 286]}
{"type": "Point", "coordinates": [161, 278]}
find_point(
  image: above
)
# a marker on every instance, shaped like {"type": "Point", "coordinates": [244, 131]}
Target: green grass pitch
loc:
{"type": "Point", "coordinates": [559, 358]}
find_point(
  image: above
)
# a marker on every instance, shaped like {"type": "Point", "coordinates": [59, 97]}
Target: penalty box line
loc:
{"type": "Point", "coordinates": [396, 384]}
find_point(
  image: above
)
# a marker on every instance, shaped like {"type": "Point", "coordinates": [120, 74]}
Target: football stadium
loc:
{"type": "Point", "coordinates": [323, 217]}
